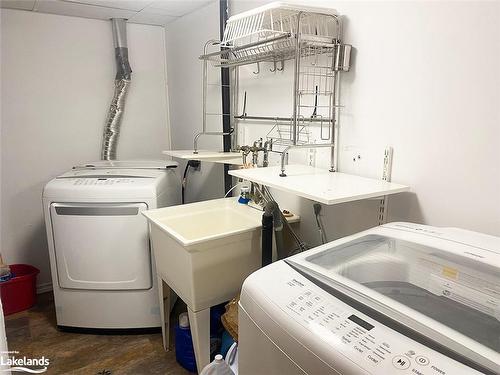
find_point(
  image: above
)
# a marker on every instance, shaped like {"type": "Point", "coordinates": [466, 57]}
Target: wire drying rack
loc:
{"type": "Point", "coordinates": [277, 32]}
{"type": "Point", "coordinates": [314, 101]}
{"type": "Point", "coordinates": [267, 34]}
{"type": "Point", "coordinates": [281, 133]}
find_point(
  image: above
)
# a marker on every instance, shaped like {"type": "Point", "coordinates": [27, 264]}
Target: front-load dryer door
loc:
{"type": "Point", "coordinates": [101, 246]}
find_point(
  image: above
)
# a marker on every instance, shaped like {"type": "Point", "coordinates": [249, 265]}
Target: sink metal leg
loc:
{"type": "Point", "coordinates": [165, 296]}
{"type": "Point", "coordinates": [200, 331]}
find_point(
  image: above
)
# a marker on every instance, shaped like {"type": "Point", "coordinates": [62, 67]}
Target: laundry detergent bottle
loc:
{"type": "Point", "coordinates": [217, 367]}
{"type": "Point", "coordinates": [184, 351]}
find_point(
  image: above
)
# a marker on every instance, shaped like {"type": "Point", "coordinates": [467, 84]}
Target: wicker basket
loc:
{"type": "Point", "coordinates": [230, 317]}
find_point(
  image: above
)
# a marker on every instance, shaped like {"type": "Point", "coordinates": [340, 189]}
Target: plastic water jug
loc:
{"type": "Point", "coordinates": [217, 367]}
{"type": "Point", "coordinates": [184, 351]}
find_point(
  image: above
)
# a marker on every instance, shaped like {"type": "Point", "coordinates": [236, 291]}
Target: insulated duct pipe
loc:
{"type": "Point", "coordinates": [122, 82]}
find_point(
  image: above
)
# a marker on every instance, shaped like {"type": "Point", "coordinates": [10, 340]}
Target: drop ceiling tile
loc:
{"type": "Point", "coordinates": [17, 4]}
{"type": "Point", "coordinates": [175, 7]}
{"type": "Point", "coordinates": [135, 5]}
{"type": "Point", "coordinates": [152, 19]}
{"type": "Point", "coordinates": [80, 10]}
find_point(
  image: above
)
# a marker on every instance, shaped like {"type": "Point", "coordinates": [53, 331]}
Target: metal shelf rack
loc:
{"type": "Point", "coordinates": [274, 33]}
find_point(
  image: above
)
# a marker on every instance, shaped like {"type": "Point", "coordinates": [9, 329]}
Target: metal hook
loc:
{"type": "Point", "coordinates": [282, 65]}
{"type": "Point", "coordinates": [258, 69]}
{"type": "Point", "coordinates": [315, 58]}
{"type": "Point", "coordinates": [244, 113]}
{"type": "Point", "coordinates": [273, 69]}
{"type": "Point", "coordinates": [314, 114]}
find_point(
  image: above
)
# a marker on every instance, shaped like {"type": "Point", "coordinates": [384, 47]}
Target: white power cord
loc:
{"type": "Point", "coordinates": [230, 190]}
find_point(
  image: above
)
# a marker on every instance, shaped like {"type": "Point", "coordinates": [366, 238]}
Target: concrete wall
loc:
{"type": "Point", "coordinates": [57, 83]}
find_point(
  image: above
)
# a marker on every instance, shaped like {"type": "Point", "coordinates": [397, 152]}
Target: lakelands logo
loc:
{"type": "Point", "coordinates": [9, 362]}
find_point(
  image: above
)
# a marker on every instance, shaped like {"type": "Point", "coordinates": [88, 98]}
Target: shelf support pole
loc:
{"type": "Point", "coordinates": [296, 74]}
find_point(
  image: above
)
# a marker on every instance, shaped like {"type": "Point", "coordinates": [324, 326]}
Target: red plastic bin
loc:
{"type": "Point", "coordinates": [19, 293]}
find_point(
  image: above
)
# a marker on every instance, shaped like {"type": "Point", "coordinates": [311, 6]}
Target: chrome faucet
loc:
{"type": "Point", "coordinates": [258, 146]}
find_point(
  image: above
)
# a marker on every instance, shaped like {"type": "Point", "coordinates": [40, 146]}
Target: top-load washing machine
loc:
{"type": "Point", "coordinates": [397, 299]}
{"type": "Point", "coordinates": [103, 271]}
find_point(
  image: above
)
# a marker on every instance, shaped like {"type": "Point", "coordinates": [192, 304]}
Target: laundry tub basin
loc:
{"type": "Point", "coordinates": [205, 250]}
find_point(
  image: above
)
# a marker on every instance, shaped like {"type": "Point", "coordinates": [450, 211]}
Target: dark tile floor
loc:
{"type": "Point", "coordinates": [33, 333]}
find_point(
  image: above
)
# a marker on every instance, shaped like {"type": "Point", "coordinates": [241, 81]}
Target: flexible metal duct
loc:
{"type": "Point", "coordinates": [122, 83]}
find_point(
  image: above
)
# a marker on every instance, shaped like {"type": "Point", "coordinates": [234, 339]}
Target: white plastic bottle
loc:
{"type": "Point", "coordinates": [217, 367]}
{"type": "Point", "coordinates": [5, 273]}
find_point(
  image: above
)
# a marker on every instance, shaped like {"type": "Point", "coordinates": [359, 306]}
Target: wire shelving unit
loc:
{"type": "Point", "coordinates": [310, 37]}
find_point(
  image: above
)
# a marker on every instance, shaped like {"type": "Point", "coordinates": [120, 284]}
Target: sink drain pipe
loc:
{"type": "Point", "coordinates": [278, 232]}
{"type": "Point", "coordinates": [267, 233]}
{"type": "Point", "coordinates": [122, 83]}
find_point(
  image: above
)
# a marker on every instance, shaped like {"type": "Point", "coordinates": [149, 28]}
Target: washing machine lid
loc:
{"type": "Point", "coordinates": [442, 283]}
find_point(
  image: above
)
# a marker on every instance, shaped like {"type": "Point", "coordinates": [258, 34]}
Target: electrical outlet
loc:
{"type": "Point", "coordinates": [195, 165]}
{"type": "Point", "coordinates": [356, 157]}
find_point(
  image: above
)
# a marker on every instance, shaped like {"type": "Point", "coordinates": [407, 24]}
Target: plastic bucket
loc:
{"type": "Point", "coordinates": [19, 293]}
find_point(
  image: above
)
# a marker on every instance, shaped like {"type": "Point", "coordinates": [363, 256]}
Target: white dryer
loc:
{"type": "Point", "coordinates": [103, 274]}
{"type": "Point", "coordinates": [397, 299]}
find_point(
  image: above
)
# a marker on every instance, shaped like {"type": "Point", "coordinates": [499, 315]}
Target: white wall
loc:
{"type": "Point", "coordinates": [4, 348]}
{"type": "Point", "coordinates": [57, 83]}
{"type": "Point", "coordinates": [185, 40]}
{"type": "Point", "coordinates": [424, 80]}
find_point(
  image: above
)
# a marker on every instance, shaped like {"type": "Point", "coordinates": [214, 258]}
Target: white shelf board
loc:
{"type": "Point", "coordinates": [206, 155]}
{"type": "Point", "coordinates": [320, 185]}
{"type": "Point", "coordinates": [227, 161]}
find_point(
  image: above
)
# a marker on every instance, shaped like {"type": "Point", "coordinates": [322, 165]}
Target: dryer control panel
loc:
{"type": "Point", "coordinates": [369, 344]}
{"type": "Point", "coordinates": [102, 181]}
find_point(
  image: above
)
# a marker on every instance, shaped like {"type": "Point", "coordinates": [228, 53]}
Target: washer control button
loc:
{"type": "Point", "coordinates": [401, 362]}
{"type": "Point", "coordinates": [422, 361]}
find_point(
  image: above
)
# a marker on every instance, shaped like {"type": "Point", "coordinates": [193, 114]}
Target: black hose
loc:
{"type": "Point", "coordinates": [267, 239]}
{"type": "Point", "coordinates": [278, 230]}
{"type": "Point", "coordinates": [184, 182]}
{"type": "Point", "coordinates": [319, 223]}
{"type": "Point", "coordinates": [190, 163]}
{"type": "Point", "coordinates": [268, 197]}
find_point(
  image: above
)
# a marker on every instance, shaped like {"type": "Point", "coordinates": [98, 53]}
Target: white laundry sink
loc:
{"type": "Point", "coordinates": [205, 250]}
{"type": "Point", "coordinates": [200, 222]}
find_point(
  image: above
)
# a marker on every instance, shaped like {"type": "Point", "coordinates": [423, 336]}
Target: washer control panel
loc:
{"type": "Point", "coordinates": [101, 181]}
{"type": "Point", "coordinates": [371, 345]}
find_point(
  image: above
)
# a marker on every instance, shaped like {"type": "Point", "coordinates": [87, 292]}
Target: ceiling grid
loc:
{"type": "Point", "coordinates": [150, 12]}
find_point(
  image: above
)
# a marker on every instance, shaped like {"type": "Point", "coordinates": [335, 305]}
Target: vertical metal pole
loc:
{"type": "Point", "coordinates": [234, 89]}
{"type": "Point", "coordinates": [336, 102]}
{"type": "Point", "coordinates": [204, 108]}
{"type": "Point", "coordinates": [334, 155]}
{"type": "Point", "coordinates": [225, 94]}
{"type": "Point", "coordinates": [296, 79]}
{"type": "Point", "coordinates": [386, 176]}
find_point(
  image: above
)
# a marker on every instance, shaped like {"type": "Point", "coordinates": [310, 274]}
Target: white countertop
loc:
{"type": "Point", "coordinates": [207, 155]}
{"type": "Point", "coordinates": [320, 185]}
